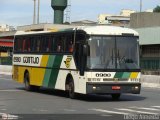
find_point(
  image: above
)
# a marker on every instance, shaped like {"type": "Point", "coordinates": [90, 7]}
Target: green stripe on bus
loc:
{"type": "Point", "coordinates": [126, 75]}
{"type": "Point", "coordinates": [54, 72]}
{"type": "Point", "coordinates": [46, 77]}
{"type": "Point", "coordinates": [122, 75]}
{"type": "Point", "coordinates": [48, 71]}
{"type": "Point", "coordinates": [118, 75]}
{"type": "Point", "coordinates": [53, 78]}
{"type": "Point", "coordinates": [51, 61]}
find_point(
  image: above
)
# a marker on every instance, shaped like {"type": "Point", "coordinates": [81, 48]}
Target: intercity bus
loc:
{"type": "Point", "coordinates": [85, 60]}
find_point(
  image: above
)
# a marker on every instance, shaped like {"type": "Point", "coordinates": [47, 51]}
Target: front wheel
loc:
{"type": "Point", "coordinates": [116, 96]}
{"type": "Point", "coordinates": [72, 94]}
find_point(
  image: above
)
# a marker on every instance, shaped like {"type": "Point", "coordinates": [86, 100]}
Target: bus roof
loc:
{"type": "Point", "coordinates": [108, 30]}
{"type": "Point", "coordinates": [92, 30]}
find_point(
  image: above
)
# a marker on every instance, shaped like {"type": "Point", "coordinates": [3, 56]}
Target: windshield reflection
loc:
{"type": "Point", "coordinates": [113, 53]}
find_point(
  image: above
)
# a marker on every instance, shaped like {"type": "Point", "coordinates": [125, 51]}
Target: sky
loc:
{"type": "Point", "coordinates": [20, 12]}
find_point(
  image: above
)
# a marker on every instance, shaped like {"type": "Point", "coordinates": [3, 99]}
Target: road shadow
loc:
{"type": "Point", "coordinates": [89, 98]}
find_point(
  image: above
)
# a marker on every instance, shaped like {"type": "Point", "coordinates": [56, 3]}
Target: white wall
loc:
{"type": "Point", "coordinates": [6, 69]}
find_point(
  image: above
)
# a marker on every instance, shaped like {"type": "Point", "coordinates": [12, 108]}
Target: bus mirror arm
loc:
{"type": "Point", "coordinates": [84, 59]}
{"type": "Point", "coordinates": [83, 65]}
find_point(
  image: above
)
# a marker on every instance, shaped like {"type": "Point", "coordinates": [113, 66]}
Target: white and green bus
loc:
{"type": "Point", "coordinates": [86, 60]}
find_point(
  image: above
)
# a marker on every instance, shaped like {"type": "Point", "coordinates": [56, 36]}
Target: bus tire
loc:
{"type": "Point", "coordinates": [71, 92]}
{"type": "Point", "coordinates": [26, 82]}
{"type": "Point", "coordinates": [116, 96]}
{"type": "Point", "coordinates": [29, 87]}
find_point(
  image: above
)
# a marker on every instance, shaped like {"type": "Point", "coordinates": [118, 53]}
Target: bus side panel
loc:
{"type": "Point", "coordinates": [37, 76]}
{"type": "Point", "coordinates": [80, 82]}
{"type": "Point", "coordinates": [21, 71]}
{"type": "Point", "coordinates": [15, 72]}
{"type": "Point", "coordinates": [52, 70]}
{"type": "Point", "coordinates": [61, 79]}
{"type": "Point", "coordinates": [67, 67]}
{"type": "Point", "coordinates": [21, 74]}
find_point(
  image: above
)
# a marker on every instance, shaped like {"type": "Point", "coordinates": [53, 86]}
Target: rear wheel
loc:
{"type": "Point", "coordinates": [29, 87]}
{"type": "Point", "coordinates": [116, 96]}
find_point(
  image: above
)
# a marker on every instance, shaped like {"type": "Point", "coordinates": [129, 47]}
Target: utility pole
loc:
{"type": "Point", "coordinates": [38, 12]}
{"type": "Point", "coordinates": [34, 12]}
{"type": "Point", "coordinates": [140, 5]}
{"type": "Point", "coordinates": [68, 12]}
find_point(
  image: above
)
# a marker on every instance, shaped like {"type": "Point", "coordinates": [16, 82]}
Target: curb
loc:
{"type": "Point", "coordinates": [6, 69]}
{"type": "Point", "coordinates": [150, 85]}
{"type": "Point", "coordinates": [5, 73]}
{"type": "Point", "coordinates": [151, 81]}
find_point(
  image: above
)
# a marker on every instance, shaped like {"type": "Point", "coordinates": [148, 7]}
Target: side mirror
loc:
{"type": "Point", "coordinates": [86, 50]}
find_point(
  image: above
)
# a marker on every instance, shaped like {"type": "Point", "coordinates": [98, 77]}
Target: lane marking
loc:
{"type": "Point", "coordinates": [5, 78]}
{"type": "Point", "coordinates": [70, 110]}
{"type": "Point", "coordinates": [144, 108]}
{"type": "Point", "coordinates": [108, 111]}
{"type": "Point", "coordinates": [6, 116]}
{"type": "Point", "coordinates": [130, 110]}
{"type": "Point", "coordinates": [104, 115]}
{"type": "Point", "coordinates": [42, 110]}
{"type": "Point", "coordinates": [11, 90]}
{"type": "Point", "coordinates": [156, 106]}
{"type": "Point", "coordinates": [3, 109]}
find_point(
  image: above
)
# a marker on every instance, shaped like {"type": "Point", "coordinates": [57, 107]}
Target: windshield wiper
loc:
{"type": "Point", "coordinates": [112, 56]}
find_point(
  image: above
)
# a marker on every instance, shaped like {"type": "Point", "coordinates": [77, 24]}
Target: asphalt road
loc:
{"type": "Point", "coordinates": [54, 105]}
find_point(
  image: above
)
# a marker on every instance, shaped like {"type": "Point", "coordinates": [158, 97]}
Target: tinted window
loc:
{"type": "Point", "coordinates": [46, 43]}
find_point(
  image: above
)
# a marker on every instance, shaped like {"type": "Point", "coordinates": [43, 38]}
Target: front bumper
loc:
{"type": "Point", "coordinates": [107, 88]}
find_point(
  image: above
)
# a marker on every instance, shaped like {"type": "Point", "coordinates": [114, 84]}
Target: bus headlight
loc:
{"type": "Point", "coordinates": [94, 87]}
{"type": "Point", "coordinates": [136, 87]}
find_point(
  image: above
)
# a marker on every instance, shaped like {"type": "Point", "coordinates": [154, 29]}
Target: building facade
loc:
{"type": "Point", "coordinates": [6, 47]}
{"type": "Point", "coordinates": [149, 30]}
{"type": "Point", "coordinates": [5, 27]}
{"type": "Point", "coordinates": [122, 20]}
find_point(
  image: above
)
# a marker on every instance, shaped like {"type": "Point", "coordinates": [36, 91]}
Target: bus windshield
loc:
{"type": "Point", "coordinates": [113, 52]}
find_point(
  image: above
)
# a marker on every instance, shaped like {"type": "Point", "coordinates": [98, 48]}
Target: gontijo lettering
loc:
{"type": "Point", "coordinates": [32, 60]}
{"type": "Point", "coordinates": [17, 59]}
{"type": "Point", "coordinates": [27, 59]}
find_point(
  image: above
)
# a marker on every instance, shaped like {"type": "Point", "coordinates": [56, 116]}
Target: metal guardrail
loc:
{"type": "Point", "coordinates": [151, 72]}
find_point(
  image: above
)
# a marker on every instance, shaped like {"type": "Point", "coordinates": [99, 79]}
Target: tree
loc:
{"type": "Point", "coordinates": [156, 9]}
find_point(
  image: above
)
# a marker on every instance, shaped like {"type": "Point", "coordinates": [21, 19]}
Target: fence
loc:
{"type": "Point", "coordinates": [5, 60]}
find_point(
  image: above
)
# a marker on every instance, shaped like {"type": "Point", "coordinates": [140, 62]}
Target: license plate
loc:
{"type": "Point", "coordinates": [116, 87]}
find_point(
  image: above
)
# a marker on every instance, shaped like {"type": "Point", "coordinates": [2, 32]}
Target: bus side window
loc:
{"type": "Point", "coordinates": [59, 47]}
{"type": "Point", "coordinates": [69, 44]}
{"type": "Point", "coordinates": [49, 44]}
{"type": "Point", "coordinates": [24, 45]}
{"type": "Point", "coordinates": [38, 46]}
{"type": "Point", "coordinates": [55, 44]}
{"type": "Point", "coordinates": [45, 45]}
{"type": "Point", "coordinates": [62, 43]}
{"type": "Point", "coordinates": [29, 45]}
{"type": "Point", "coordinates": [16, 45]}
{"type": "Point", "coordinates": [52, 40]}
{"type": "Point", "coordinates": [19, 45]}
{"type": "Point", "coordinates": [33, 43]}
{"type": "Point", "coordinates": [58, 44]}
